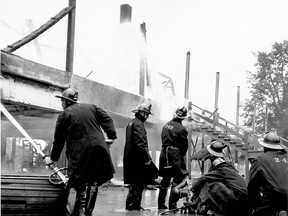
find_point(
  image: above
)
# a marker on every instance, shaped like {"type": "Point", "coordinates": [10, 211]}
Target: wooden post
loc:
{"type": "Point", "coordinates": [143, 64]}
{"type": "Point", "coordinates": [187, 76]}
{"type": "Point", "coordinates": [246, 136]}
{"type": "Point", "coordinates": [237, 118]}
{"type": "Point", "coordinates": [216, 98]}
{"type": "Point", "coordinates": [70, 37]}
{"type": "Point", "coordinates": [186, 96]}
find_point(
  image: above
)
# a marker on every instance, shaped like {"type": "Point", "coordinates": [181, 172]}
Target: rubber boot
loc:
{"type": "Point", "coordinates": [162, 198]}
{"type": "Point", "coordinates": [91, 199]}
{"type": "Point", "coordinates": [173, 199]}
{"type": "Point", "coordinates": [73, 204]}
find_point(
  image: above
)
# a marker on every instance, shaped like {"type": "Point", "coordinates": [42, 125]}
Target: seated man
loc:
{"type": "Point", "coordinates": [222, 190]}
{"type": "Point", "coordinates": [268, 183]}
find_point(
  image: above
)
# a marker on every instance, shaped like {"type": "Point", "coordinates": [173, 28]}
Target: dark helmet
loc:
{"type": "Point", "coordinates": [69, 94]}
{"type": "Point", "coordinates": [216, 149]}
{"type": "Point", "coordinates": [143, 107]}
{"type": "Point", "coordinates": [180, 112]}
{"type": "Point", "coordinates": [272, 140]}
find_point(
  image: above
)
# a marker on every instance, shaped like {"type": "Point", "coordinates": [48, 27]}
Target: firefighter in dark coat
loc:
{"type": "Point", "coordinates": [172, 159]}
{"type": "Point", "coordinates": [89, 160]}
{"type": "Point", "coordinates": [268, 182]}
{"type": "Point", "coordinates": [138, 168]}
{"type": "Point", "coordinates": [222, 190]}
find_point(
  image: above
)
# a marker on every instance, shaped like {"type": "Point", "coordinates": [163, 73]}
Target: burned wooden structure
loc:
{"type": "Point", "coordinates": [28, 91]}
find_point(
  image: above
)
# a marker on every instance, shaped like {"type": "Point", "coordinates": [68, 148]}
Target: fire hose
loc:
{"type": "Point", "coordinates": [57, 171]}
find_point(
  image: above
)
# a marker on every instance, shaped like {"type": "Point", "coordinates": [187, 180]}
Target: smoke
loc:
{"type": "Point", "coordinates": [17, 154]}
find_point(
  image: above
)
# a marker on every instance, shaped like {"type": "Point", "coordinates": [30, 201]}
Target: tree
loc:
{"type": "Point", "coordinates": [269, 87]}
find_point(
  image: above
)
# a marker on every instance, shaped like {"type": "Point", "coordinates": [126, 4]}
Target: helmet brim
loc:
{"type": "Point", "coordinates": [180, 117]}
{"type": "Point", "coordinates": [66, 98]}
{"type": "Point", "coordinates": [271, 146]}
{"type": "Point", "coordinates": [217, 154]}
{"type": "Point", "coordinates": [136, 111]}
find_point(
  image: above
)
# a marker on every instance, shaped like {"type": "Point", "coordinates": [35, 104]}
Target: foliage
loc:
{"type": "Point", "coordinates": [269, 91]}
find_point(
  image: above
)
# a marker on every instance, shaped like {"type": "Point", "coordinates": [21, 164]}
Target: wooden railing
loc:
{"type": "Point", "coordinates": [226, 126]}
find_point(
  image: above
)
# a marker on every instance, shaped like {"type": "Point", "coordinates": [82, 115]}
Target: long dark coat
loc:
{"type": "Point", "coordinates": [269, 174]}
{"type": "Point", "coordinates": [136, 154]}
{"type": "Point", "coordinates": [174, 134]}
{"type": "Point", "coordinates": [79, 125]}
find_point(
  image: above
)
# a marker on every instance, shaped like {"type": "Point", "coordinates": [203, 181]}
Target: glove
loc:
{"type": "Point", "coordinates": [148, 163]}
{"type": "Point", "coordinates": [109, 142]}
{"type": "Point", "coordinates": [48, 161]}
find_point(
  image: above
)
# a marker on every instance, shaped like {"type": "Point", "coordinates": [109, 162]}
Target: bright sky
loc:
{"type": "Point", "coordinates": [220, 35]}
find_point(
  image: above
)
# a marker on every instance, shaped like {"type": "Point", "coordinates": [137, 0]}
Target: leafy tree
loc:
{"type": "Point", "coordinates": [269, 91]}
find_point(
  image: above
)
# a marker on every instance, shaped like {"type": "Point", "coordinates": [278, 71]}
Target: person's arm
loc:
{"type": "Point", "coordinates": [59, 141]}
{"type": "Point", "coordinates": [253, 187]}
{"type": "Point", "coordinates": [106, 123]}
{"type": "Point", "coordinates": [140, 139]}
{"type": "Point", "coordinates": [212, 176]}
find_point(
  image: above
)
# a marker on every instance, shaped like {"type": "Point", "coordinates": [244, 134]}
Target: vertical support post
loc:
{"type": "Point", "coordinates": [246, 136]}
{"type": "Point", "coordinates": [186, 97]}
{"type": "Point", "coordinates": [203, 146]}
{"type": "Point", "coordinates": [237, 118]}
{"type": "Point", "coordinates": [70, 37]}
{"type": "Point", "coordinates": [143, 64]}
{"type": "Point", "coordinates": [216, 99]}
{"type": "Point", "coordinates": [13, 153]}
{"type": "Point", "coordinates": [189, 152]}
{"type": "Point", "coordinates": [187, 76]}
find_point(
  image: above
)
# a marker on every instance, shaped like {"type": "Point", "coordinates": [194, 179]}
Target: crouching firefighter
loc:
{"type": "Point", "coordinates": [221, 191]}
{"type": "Point", "coordinates": [89, 161]}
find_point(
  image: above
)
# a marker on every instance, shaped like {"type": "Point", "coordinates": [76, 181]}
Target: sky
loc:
{"type": "Point", "coordinates": [221, 36]}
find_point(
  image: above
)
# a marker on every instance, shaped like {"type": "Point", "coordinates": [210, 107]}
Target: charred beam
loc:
{"type": "Point", "coordinates": [42, 29]}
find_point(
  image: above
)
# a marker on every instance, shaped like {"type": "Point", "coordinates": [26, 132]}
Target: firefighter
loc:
{"type": "Point", "coordinates": [221, 191]}
{"type": "Point", "coordinates": [89, 162]}
{"type": "Point", "coordinates": [138, 167]}
{"type": "Point", "coordinates": [172, 159]}
{"type": "Point", "coordinates": [268, 182]}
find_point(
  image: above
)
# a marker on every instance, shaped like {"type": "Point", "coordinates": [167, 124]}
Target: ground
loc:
{"type": "Point", "coordinates": [111, 201]}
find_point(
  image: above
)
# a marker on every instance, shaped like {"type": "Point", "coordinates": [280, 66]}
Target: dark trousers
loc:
{"type": "Point", "coordinates": [173, 197]}
{"type": "Point", "coordinates": [81, 201]}
{"type": "Point", "coordinates": [134, 197]}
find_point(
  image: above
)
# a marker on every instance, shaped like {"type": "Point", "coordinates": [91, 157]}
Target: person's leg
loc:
{"type": "Point", "coordinates": [177, 184]}
{"type": "Point", "coordinates": [219, 199]}
{"type": "Point", "coordinates": [74, 205]}
{"type": "Point", "coordinates": [134, 197]}
{"type": "Point", "coordinates": [173, 198]}
{"type": "Point", "coordinates": [165, 183]}
{"type": "Point", "coordinates": [71, 201]}
{"type": "Point", "coordinates": [91, 196]}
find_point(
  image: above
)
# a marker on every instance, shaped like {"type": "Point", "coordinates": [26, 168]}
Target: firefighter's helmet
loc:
{"type": "Point", "coordinates": [69, 94]}
{"type": "Point", "coordinates": [180, 112]}
{"type": "Point", "coordinates": [272, 140]}
{"type": "Point", "coordinates": [216, 149]}
{"type": "Point", "coordinates": [143, 107]}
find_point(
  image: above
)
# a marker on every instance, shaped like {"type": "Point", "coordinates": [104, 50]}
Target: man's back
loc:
{"type": "Point", "coordinates": [268, 184]}
{"type": "Point", "coordinates": [174, 134]}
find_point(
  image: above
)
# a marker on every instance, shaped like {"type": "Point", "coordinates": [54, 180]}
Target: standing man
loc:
{"type": "Point", "coordinates": [222, 190]}
{"type": "Point", "coordinates": [138, 168]}
{"type": "Point", "coordinates": [268, 182]}
{"type": "Point", "coordinates": [172, 159]}
{"type": "Point", "coordinates": [89, 161]}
